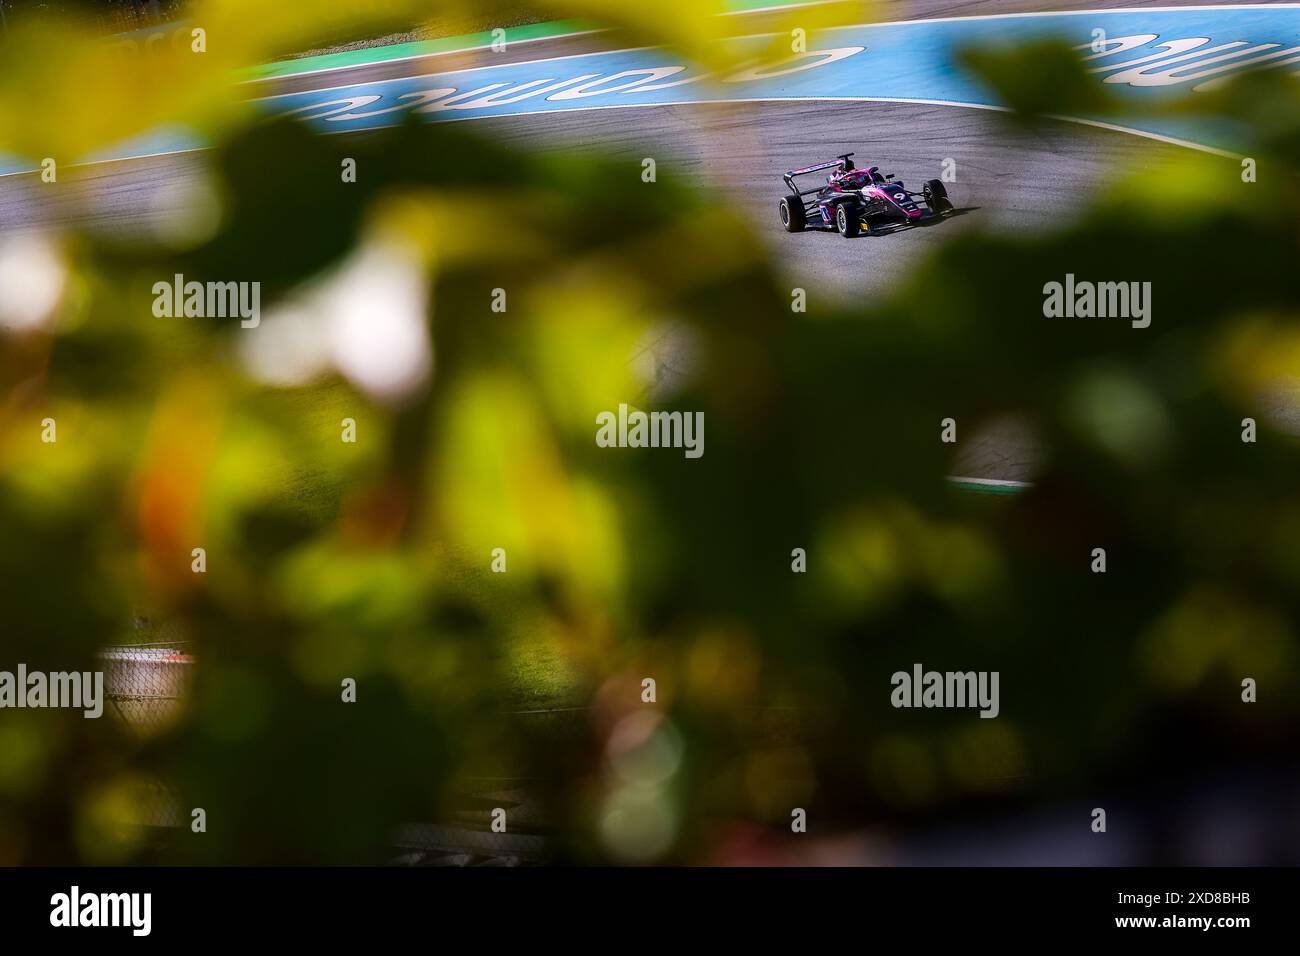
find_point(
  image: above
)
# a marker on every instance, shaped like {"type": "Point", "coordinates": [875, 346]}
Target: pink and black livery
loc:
{"type": "Point", "coordinates": [853, 198]}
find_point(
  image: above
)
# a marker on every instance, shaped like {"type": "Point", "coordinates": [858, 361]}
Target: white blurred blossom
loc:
{"type": "Point", "coordinates": [366, 320]}
{"type": "Point", "coordinates": [33, 276]}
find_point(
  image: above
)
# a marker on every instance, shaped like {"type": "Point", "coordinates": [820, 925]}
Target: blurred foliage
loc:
{"type": "Point", "coordinates": [329, 560]}
{"type": "Point", "coordinates": [66, 90]}
{"type": "Point", "coordinates": [1061, 88]}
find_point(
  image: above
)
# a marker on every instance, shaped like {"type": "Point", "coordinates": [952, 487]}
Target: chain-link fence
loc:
{"type": "Point", "coordinates": [503, 821]}
{"type": "Point", "coordinates": [145, 683]}
{"type": "Point", "coordinates": [474, 843]}
{"type": "Point", "coordinates": [489, 821]}
{"type": "Point", "coordinates": [493, 821]}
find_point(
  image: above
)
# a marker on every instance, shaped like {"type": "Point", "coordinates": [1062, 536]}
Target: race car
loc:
{"type": "Point", "coordinates": [853, 198]}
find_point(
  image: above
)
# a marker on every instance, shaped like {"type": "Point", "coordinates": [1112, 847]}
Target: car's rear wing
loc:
{"type": "Point", "coordinates": [789, 176]}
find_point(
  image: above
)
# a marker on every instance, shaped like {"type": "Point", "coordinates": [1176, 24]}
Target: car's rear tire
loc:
{"type": "Point", "coordinates": [848, 220]}
{"type": "Point", "coordinates": [792, 214]}
{"type": "Point", "coordinates": [936, 197]}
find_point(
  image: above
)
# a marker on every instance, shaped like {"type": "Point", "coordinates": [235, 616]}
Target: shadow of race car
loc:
{"type": "Point", "coordinates": [853, 198]}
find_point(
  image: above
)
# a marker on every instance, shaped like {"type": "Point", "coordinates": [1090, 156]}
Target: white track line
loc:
{"type": "Point", "coordinates": [794, 6]}
{"type": "Point", "coordinates": [488, 46]}
{"type": "Point", "coordinates": [811, 99]}
{"type": "Point", "coordinates": [509, 43]}
{"type": "Point", "coordinates": [1112, 127]}
{"type": "Point", "coordinates": [908, 101]}
{"type": "Point", "coordinates": [1092, 11]}
{"type": "Point", "coordinates": [419, 56]}
{"type": "Point", "coordinates": [991, 483]}
{"type": "Point", "coordinates": [470, 69]}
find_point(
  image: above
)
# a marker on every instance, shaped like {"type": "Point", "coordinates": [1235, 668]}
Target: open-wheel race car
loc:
{"type": "Point", "coordinates": [852, 199]}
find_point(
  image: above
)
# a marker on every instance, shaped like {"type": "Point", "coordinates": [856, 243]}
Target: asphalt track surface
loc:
{"type": "Point", "coordinates": [1012, 180]}
{"type": "Point", "coordinates": [1005, 180]}
{"type": "Point", "coordinates": [1023, 182]}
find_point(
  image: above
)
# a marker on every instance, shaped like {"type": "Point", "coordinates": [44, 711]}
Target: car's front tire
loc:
{"type": "Point", "coordinates": [848, 220]}
{"type": "Point", "coordinates": [792, 214]}
{"type": "Point", "coordinates": [936, 197]}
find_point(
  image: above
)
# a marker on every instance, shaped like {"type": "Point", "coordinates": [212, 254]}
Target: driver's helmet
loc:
{"type": "Point", "coordinates": [852, 179]}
